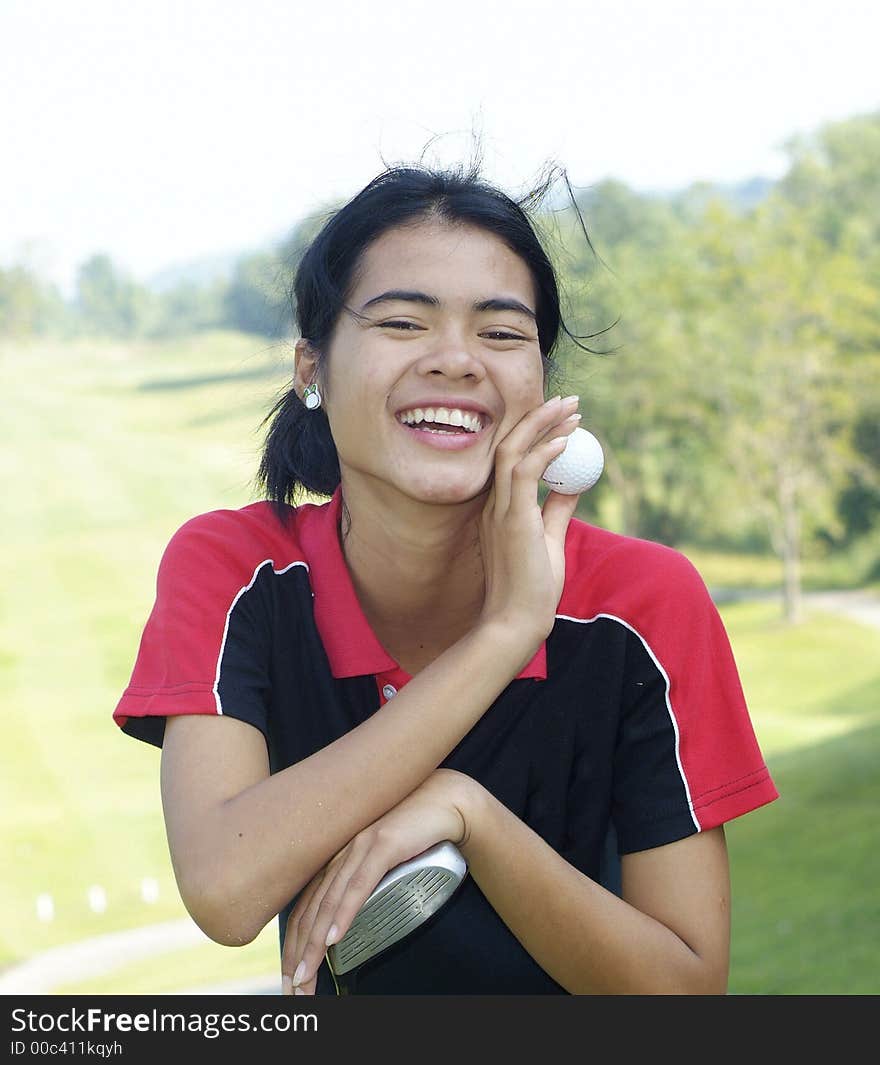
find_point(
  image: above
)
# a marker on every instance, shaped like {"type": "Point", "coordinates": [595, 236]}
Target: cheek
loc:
{"type": "Point", "coordinates": [355, 395]}
{"type": "Point", "coordinates": [526, 389]}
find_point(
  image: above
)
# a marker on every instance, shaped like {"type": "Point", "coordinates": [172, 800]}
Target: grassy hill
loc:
{"type": "Point", "coordinates": [105, 450]}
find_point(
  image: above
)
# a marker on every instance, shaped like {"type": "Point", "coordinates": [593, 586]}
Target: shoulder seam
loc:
{"type": "Point", "coordinates": [666, 695]}
{"type": "Point", "coordinates": [246, 588]}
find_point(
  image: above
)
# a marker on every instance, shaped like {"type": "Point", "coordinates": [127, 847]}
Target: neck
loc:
{"type": "Point", "coordinates": [416, 567]}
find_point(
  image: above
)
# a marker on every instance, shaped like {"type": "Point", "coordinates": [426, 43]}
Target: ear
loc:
{"type": "Point", "coordinates": [305, 365]}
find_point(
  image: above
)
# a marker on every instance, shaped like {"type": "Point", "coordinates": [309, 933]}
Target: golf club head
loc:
{"type": "Point", "coordinates": [405, 898]}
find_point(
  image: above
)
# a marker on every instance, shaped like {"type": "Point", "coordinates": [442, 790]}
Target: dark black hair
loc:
{"type": "Point", "coordinates": [299, 455]}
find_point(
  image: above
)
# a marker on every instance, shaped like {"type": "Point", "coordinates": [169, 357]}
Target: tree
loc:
{"type": "Point", "coordinates": [109, 302]}
{"type": "Point", "coordinates": [256, 300]}
{"type": "Point", "coordinates": [28, 305]}
{"type": "Point", "coordinates": [189, 308]}
{"type": "Point", "coordinates": [741, 392]}
{"type": "Point", "coordinates": [782, 383]}
{"type": "Point", "coordinates": [642, 397]}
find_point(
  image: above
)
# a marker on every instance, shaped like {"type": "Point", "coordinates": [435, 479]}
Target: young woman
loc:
{"type": "Point", "coordinates": [431, 655]}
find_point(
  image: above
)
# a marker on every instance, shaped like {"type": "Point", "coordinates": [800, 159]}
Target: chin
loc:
{"type": "Point", "coordinates": [446, 491]}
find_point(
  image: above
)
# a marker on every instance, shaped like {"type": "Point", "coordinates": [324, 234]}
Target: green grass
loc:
{"type": "Point", "coordinates": [740, 570]}
{"type": "Point", "coordinates": [805, 869]}
{"type": "Point", "coordinates": [806, 910]}
{"type": "Point", "coordinates": [104, 451]}
{"type": "Point", "coordinates": [98, 469]}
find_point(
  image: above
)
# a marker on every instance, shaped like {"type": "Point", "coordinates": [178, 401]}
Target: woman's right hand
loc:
{"type": "Point", "coordinates": [523, 544]}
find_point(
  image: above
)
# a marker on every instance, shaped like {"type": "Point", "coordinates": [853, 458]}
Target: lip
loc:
{"type": "Point", "coordinates": [443, 441]}
{"type": "Point", "coordinates": [450, 403]}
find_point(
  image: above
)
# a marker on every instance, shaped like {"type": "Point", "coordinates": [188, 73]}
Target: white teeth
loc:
{"type": "Point", "coordinates": [465, 419]}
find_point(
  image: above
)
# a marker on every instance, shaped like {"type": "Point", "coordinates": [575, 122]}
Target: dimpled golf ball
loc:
{"type": "Point", "coordinates": [578, 467]}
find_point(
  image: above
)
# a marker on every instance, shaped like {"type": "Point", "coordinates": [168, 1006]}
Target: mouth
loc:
{"type": "Point", "coordinates": [451, 428]}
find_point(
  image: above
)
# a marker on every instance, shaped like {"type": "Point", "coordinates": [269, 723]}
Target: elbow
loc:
{"type": "Point", "coordinates": [712, 972]}
{"type": "Point", "coordinates": [220, 916]}
{"type": "Point", "coordinates": [703, 978]}
{"type": "Point", "coordinates": [713, 984]}
{"type": "Point", "coordinates": [226, 932]}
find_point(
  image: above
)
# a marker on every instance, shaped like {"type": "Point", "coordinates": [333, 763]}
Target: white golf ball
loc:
{"type": "Point", "coordinates": [578, 467]}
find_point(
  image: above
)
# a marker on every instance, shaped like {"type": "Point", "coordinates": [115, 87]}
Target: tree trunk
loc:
{"type": "Point", "coordinates": [620, 485]}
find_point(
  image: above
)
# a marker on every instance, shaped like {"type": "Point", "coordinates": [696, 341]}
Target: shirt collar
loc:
{"type": "Point", "coordinates": [351, 645]}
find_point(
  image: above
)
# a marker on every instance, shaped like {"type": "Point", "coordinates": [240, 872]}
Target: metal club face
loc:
{"type": "Point", "coordinates": [405, 898]}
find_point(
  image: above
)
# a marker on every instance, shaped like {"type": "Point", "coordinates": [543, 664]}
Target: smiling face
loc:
{"type": "Point", "coordinates": [444, 361]}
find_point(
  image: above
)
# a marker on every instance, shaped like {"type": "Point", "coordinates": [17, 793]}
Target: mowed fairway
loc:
{"type": "Point", "coordinates": [105, 450]}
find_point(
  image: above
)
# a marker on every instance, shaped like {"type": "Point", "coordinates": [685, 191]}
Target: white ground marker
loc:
{"type": "Point", "coordinates": [150, 889]}
{"type": "Point", "coordinates": [97, 899]}
{"type": "Point", "coordinates": [45, 907]}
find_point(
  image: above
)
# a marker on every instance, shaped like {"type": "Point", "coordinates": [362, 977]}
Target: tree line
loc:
{"type": "Point", "coordinates": [740, 396]}
{"type": "Point", "coordinates": [733, 375]}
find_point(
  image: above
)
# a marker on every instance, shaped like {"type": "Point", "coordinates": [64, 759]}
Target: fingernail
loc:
{"type": "Point", "coordinates": [569, 399]}
{"type": "Point", "coordinates": [573, 418]}
{"type": "Point", "coordinates": [299, 974]}
{"type": "Point", "coordinates": [331, 936]}
{"type": "Point", "coordinates": [298, 991]}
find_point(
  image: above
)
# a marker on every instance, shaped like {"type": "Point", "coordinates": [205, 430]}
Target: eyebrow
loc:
{"type": "Point", "coordinates": [498, 303]}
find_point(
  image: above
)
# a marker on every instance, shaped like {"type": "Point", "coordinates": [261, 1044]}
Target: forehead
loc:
{"type": "Point", "coordinates": [445, 260]}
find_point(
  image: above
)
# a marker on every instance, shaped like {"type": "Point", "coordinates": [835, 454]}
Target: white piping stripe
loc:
{"type": "Point", "coordinates": [655, 660]}
{"type": "Point", "coordinates": [239, 594]}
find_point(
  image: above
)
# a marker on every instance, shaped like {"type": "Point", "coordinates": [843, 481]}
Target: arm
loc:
{"type": "Point", "coordinates": [243, 842]}
{"type": "Point", "coordinates": [669, 934]}
{"type": "Point", "coordinates": [224, 812]}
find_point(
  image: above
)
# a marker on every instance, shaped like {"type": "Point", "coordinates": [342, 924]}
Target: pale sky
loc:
{"type": "Point", "coordinates": [162, 131]}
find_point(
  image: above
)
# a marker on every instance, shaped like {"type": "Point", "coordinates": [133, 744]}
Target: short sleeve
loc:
{"type": "Point", "coordinates": [205, 647]}
{"type": "Point", "coordinates": [687, 758]}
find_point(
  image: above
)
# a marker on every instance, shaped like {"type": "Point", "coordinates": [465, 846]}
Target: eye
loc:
{"type": "Point", "coordinates": [499, 334]}
{"type": "Point", "coordinates": [398, 325]}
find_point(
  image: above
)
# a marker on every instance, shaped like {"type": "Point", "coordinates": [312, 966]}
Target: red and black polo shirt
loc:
{"type": "Point", "coordinates": [629, 723]}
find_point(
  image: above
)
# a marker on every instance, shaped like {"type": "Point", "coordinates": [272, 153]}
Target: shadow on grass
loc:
{"type": "Point", "coordinates": [859, 701]}
{"type": "Point", "coordinates": [805, 871]}
{"type": "Point", "coordinates": [175, 384]}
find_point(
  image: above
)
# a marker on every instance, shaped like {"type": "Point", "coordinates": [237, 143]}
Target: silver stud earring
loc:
{"type": "Point", "coordinates": [312, 397]}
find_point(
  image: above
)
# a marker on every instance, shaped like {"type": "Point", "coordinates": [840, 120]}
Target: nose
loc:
{"type": "Point", "coordinates": [452, 357]}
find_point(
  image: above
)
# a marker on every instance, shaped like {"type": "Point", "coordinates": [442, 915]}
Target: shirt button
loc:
{"type": "Point", "coordinates": [389, 691]}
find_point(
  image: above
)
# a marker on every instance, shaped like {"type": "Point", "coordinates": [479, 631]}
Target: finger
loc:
{"type": "Point", "coordinates": [358, 888]}
{"type": "Point", "coordinates": [311, 943]}
{"type": "Point", "coordinates": [365, 864]}
{"type": "Point", "coordinates": [308, 987]}
{"type": "Point", "coordinates": [529, 467]}
{"type": "Point", "coordinates": [527, 472]}
{"type": "Point", "coordinates": [566, 423]}
{"type": "Point", "coordinates": [489, 505]}
{"type": "Point", "coordinates": [558, 510]}
{"type": "Point", "coordinates": [520, 438]}
{"type": "Point", "coordinates": [315, 924]}
{"type": "Point", "coordinates": [517, 443]}
{"type": "Point", "coordinates": [298, 924]}
{"type": "Point", "coordinates": [288, 954]}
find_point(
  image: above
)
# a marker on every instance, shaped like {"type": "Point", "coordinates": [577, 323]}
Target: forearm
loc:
{"type": "Point", "coordinates": [586, 938]}
{"type": "Point", "coordinates": [263, 844]}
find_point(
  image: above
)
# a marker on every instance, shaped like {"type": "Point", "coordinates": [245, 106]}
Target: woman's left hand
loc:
{"type": "Point", "coordinates": [437, 810]}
